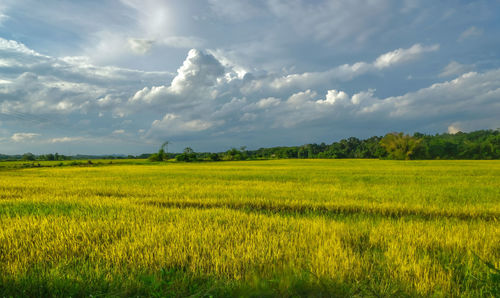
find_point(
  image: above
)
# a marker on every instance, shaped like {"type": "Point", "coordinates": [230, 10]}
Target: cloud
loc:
{"type": "Point", "coordinates": [23, 136]}
{"type": "Point", "coordinates": [66, 139]}
{"type": "Point", "coordinates": [454, 68]}
{"type": "Point", "coordinates": [334, 97]}
{"type": "Point", "coordinates": [36, 84]}
{"type": "Point", "coordinates": [268, 102]}
{"type": "Point", "coordinates": [470, 32]}
{"type": "Point", "coordinates": [348, 72]}
{"type": "Point", "coordinates": [228, 106]}
{"type": "Point", "coordinates": [195, 80]}
{"type": "Point", "coordinates": [208, 100]}
{"type": "Point", "coordinates": [334, 22]}
{"type": "Point", "coordinates": [403, 55]}
{"type": "Point", "coordinates": [198, 70]}
{"type": "Point", "coordinates": [174, 124]}
{"type": "Point", "coordinates": [454, 128]}
{"type": "Point", "coordinates": [3, 17]}
{"type": "Point", "coordinates": [140, 46]}
{"type": "Point", "coordinates": [12, 46]}
{"type": "Point", "coordinates": [183, 42]}
{"type": "Point", "coordinates": [472, 96]}
{"type": "Point", "coordinates": [144, 46]}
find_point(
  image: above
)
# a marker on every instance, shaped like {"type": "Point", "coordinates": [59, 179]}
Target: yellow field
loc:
{"type": "Point", "coordinates": [283, 227]}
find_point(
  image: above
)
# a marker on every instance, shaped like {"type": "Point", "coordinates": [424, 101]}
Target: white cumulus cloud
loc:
{"type": "Point", "coordinates": [23, 136]}
{"type": "Point", "coordinates": [403, 55]}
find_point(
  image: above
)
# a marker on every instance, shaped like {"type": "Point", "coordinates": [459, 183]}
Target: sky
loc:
{"type": "Point", "coordinates": [104, 77]}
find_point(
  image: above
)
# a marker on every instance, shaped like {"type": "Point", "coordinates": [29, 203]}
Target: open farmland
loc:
{"type": "Point", "coordinates": [281, 227]}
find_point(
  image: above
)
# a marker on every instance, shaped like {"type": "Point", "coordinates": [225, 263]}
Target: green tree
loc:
{"type": "Point", "coordinates": [187, 155]}
{"type": "Point", "coordinates": [214, 157]}
{"type": "Point", "coordinates": [28, 156]}
{"type": "Point", "coordinates": [162, 153]}
{"type": "Point", "coordinates": [399, 145]}
{"type": "Point", "coordinates": [235, 154]}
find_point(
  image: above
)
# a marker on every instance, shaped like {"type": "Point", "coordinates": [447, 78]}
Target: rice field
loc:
{"type": "Point", "coordinates": [253, 228]}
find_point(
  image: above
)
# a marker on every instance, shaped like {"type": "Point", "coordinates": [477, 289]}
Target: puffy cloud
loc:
{"type": "Point", "coordinates": [310, 65]}
{"type": "Point", "coordinates": [334, 97]}
{"type": "Point", "coordinates": [454, 128]}
{"type": "Point", "coordinates": [297, 99]}
{"type": "Point", "coordinates": [196, 81]}
{"type": "Point", "coordinates": [268, 102]}
{"type": "Point", "coordinates": [174, 124]}
{"type": "Point", "coordinates": [207, 99]}
{"type": "Point", "coordinates": [198, 70]}
{"type": "Point", "coordinates": [37, 84]}
{"type": "Point", "coordinates": [12, 46]}
{"type": "Point", "coordinates": [454, 68]}
{"type": "Point", "coordinates": [403, 55]}
{"type": "Point", "coordinates": [229, 107]}
{"type": "Point", "coordinates": [23, 136]}
{"type": "Point", "coordinates": [472, 96]}
{"type": "Point", "coordinates": [348, 72]}
{"type": "Point", "coordinates": [66, 139]}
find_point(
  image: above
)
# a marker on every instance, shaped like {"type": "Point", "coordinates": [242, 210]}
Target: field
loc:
{"type": "Point", "coordinates": [251, 228]}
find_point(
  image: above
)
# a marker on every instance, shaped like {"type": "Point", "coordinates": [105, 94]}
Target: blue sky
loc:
{"type": "Point", "coordinates": [100, 77]}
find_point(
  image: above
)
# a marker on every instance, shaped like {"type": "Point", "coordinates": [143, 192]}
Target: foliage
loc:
{"type": "Point", "coordinates": [482, 144]}
{"type": "Point", "coordinates": [28, 157]}
{"type": "Point", "coordinates": [400, 146]}
{"type": "Point", "coordinates": [162, 154]}
{"type": "Point", "coordinates": [235, 154]}
{"type": "Point", "coordinates": [214, 157]}
{"type": "Point", "coordinates": [187, 155]}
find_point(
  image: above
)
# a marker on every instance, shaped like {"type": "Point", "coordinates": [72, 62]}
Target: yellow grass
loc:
{"type": "Point", "coordinates": [369, 227]}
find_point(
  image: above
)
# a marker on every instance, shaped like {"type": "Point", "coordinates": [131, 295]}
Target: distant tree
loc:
{"type": "Point", "coordinates": [234, 154]}
{"type": "Point", "coordinates": [302, 153]}
{"type": "Point", "coordinates": [28, 156]}
{"type": "Point", "coordinates": [214, 157]}
{"type": "Point", "coordinates": [162, 153]}
{"type": "Point", "coordinates": [154, 157]}
{"type": "Point", "coordinates": [187, 155]}
{"type": "Point", "coordinates": [400, 146]}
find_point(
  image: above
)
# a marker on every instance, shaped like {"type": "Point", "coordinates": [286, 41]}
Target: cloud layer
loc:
{"type": "Point", "coordinates": [136, 73]}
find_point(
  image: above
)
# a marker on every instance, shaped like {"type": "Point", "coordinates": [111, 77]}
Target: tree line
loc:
{"type": "Point", "coordinates": [481, 144]}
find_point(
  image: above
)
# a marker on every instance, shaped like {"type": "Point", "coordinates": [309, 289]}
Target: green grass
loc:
{"type": "Point", "coordinates": [255, 228]}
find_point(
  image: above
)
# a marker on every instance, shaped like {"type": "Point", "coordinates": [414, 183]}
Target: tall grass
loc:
{"type": "Point", "coordinates": [278, 228]}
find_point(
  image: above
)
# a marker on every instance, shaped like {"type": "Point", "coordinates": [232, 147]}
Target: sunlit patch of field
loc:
{"type": "Point", "coordinates": [283, 227]}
